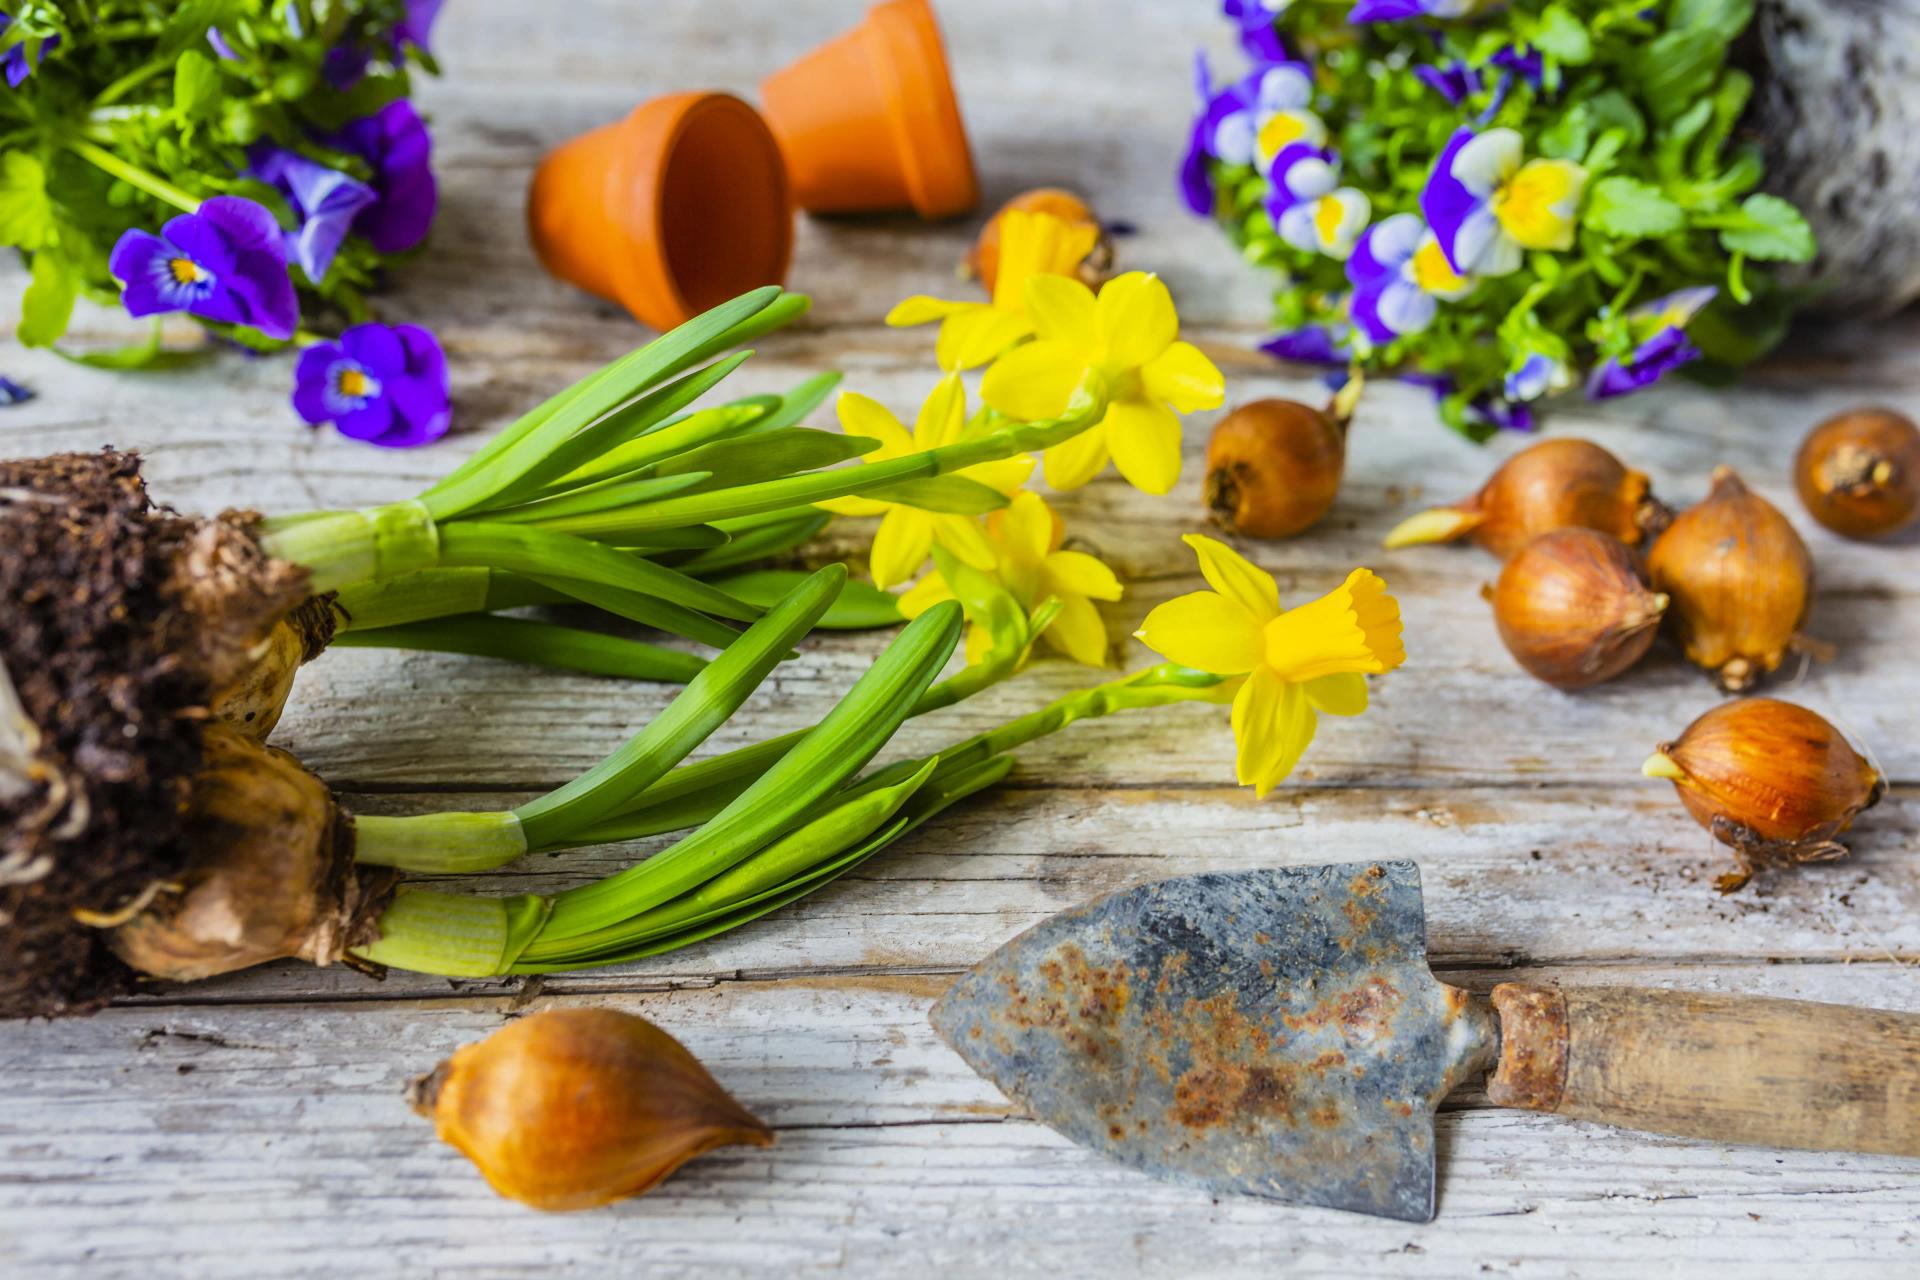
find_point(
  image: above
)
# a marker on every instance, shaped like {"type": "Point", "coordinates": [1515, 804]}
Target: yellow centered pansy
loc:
{"type": "Point", "coordinates": [1432, 272]}
{"type": "Point", "coordinates": [972, 333]}
{"type": "Point", "coordinates": [907, 533]}
{"type": "Point", "coordinates": [1537, 205]}
{"type": "Point", "coordinates": [1028, 561]}
{"type": "Point", "coordinates": [1129, 334]}
{"type": "Point", "coordinates": [1296, 662]}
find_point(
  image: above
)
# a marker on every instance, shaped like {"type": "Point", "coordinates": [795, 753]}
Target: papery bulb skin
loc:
{"type": "Point", "coordinates": [1740, 581]}
{"type": "Point", "coordinates": [983, 260]}
{"type": "Point", "coordinates": [577, 1108]}
{"type": "Point", "coordinates": [1573, 607]}
{"type": "Point", "coordinates": [1772, 780]}
{"type": "Point", "coordinates": [253, 700]}
{"type": "Point", "coordinates": [1274, 468]}
{"type": "Point", "coordinates": [1858, 473]}
{"type": "Point", "coordinates": [1555, 484]}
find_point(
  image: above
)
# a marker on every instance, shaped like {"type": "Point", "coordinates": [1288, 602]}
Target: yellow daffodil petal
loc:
{"type": "Point", "coordinates": [1078, 632]}
{"type": "Point", "coordinates": [923, 595]}
{"type": "Point", "coordinates": [864, 416]}
{"type": "Point", "coordinates": [1355, 627]}
{"type": "Point", "coordinates": [1184, 378]}
{"type": "Point", "coordinates": [854, 506]}
{"type": "Point", "coordinates": [1203, 630]}
{"type": "Point", "coordinates": [976, 335]}
{"type": "Point", "coordinates": [1342, 694]}
{"type": "Point", "coordinates": [1025, 526]}
{"type": "Point", "coordinates": [1236, 577]}
{"type": "Point", "coordinates": [965, 538]}
{"type": "Point", "coordinates": [942, 414]}
{"type": "Point", "coordinates": [1005, 476]}
{"type": "Point", "coordinates": [1034, 381]}
{"type": "Point", "coordinates": [900, 547]}
{"type": "Point", "coordinates": [1077, 573]}
{"type": "Point", "coordinates": [1063, 310]}
{"type": "Point", "coordinates": [921, 309]}
{"type": "Point", "coordinates": [1272, 725]}
{"type": "Point", "coordinates": [1072, 463]}
{"type": "Point", "coordinates": [1137, 319]}
{"type": "Point", "coordinates": [1145, 439]}
{"type": "Point", "coordinates": [1037, 244]}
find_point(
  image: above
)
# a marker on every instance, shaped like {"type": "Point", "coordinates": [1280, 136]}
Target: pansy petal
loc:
{"type": "Point", "coordinates": [1184, 378]}
{"type": "Point", "coordinates": [900, 547]}
{"type": "Point", "coordinates": [1204, 630]}
{"type": "Point", "coordinates": [1062, 310]}
{"type": "Point", "coordinates": [1034, 381]}
{"type": "Point", "coordinates": [1236, 577]}
{"type": "Point", "coordinates": [1145, 440]}
{"type": "Point", "coordinates": [1078, 632]}
{"type": "Point", "coordinates": [1342, 694]}
{"type": "Point", "coordinates": [1136, 317]}
{"type": "Point", "coordinates": [1074, 462]}
{"type": "Point", "coordinates": [1077, 573]}
{"type": "Point", "coordinates": [1272, 725]}
{"type": "Point", "coordinates": [921, 309]}
{"type": "Point", "coordinates": [975, 334]}
{"type": "Point", "coordinates": [1487, 160]}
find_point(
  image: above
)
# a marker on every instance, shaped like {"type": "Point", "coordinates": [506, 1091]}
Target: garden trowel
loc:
{"type": "Point", "coordinates": [1278, 1033]}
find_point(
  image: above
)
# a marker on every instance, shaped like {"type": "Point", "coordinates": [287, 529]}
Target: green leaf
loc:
{"type": "Point", "coordinates": [1622, 206]}
{"type": "Point", "coordinates": [196, 86]}
{"type": "Point", "coordinates": [953, 495]}
{"type": "Point", "coordinates": [766, 455]}
{"type": "Point", "coordinates": [1771, 230]}
{"type": "Point", "coordinates": [47, 304]}
{"type": "Point", "coordinates": [861, 606]}
{"type": "Point", "coordinates": [26, 214]}
{"type": "Point", "coordinates": [1675, 69]}
{"type": "Point", "coordinates": [1561, 35]}
{"type": "Point", "coordinates": [1723, 19]}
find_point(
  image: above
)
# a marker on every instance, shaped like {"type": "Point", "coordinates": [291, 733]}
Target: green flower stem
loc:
{"type": "Point", "coordinates": [440, 843]}
{"type": "Point", "coordinates": [341, 548]}
{"type": "Point", "coordinates": [455, 934]}
{"type": "Point", "coordinates": [133, 175]}
{"type": "Point", "coordinates": [541, 644]}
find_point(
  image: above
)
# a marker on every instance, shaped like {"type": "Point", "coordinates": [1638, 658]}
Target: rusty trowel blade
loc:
{"type": "Point", "coordinates": [1270, 1032]}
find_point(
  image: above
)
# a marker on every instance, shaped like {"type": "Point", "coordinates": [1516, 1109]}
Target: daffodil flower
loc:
{"type": "Point", "coordinates": [1029, 562]}
{"type": "Point", "coordinates": [1487, 207]}
{"type": "Point", "coordinates": [907, 533]}
{"type": "Point", "coordinates": [972, 333]}
{"type": "Point", "coordinates": [1128, 335]}
{"type": "Point", "coordinates": [1296, 662]}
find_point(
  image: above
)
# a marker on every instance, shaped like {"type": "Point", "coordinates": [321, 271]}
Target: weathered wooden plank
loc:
{"type": "Point", "coordinates": [235, 1141]}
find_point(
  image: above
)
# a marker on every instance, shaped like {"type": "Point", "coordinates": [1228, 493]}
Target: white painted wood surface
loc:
{"type": "Point", "coordinates": [253, 1126]}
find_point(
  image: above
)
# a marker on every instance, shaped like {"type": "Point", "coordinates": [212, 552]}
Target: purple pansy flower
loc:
{"type": "Point", "coordinates": [394, 140]}
{"type": "Point", "coordinates": [1523, 60]}
{"type": "Point", "coordinates": [1300, 172]}
{"type": "Point", "coordinates": [12, 393]}
{"type": "Point", "coordinates": [1313, 344]}
{"type": "Point", "coordinates": [1455, 81]}
{"type": "Point", "coordinates": [1401, 10]}
{"type": "Point", "coordinates": [221, 49]}
{"type": "Point", "coordinates": [417, 27]}
{"type": "Point", "coordinates": [1488, 207]}
{"type": "Point", "coordinates": [15, 59]}
{"type": "Point", "coordinates": [1488, 409]}
{"type": "Point", "coordinates": [385, 385]}
{"type": "Point", "coordinates": [327, 201]}
{"type": "Point", "coordinates": [1232, 121]}
{"type": "Point", "coordinates": [1538, 374]}
{"type": "Point", "coordinates": [1399, 275]}
{"type": "Point", "coordinates": [227, 262]}
{"type": "Point", "coordinates": [1258, 35]}
{"type": "Point", "coordinates": [1661, 352]}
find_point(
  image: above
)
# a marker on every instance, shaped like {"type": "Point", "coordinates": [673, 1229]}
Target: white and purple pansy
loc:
{"type": "Point", "coordinates": [1537, 374]}
{"type": "Point", "coordinates": [1488, 206]}
{"type": "Point", "coordinates": [1328, 224]}
{"type": "Point", "coordinates": [1255, 19]}
{"type": "Point", "coordinates": [1300, 173]}
{"type": "Point", "coordinates": [1665, 348]}
{"type": "Point", "coordinates": [1283, 117]}
{"type": "Point", "coordinates": [1399, 276]}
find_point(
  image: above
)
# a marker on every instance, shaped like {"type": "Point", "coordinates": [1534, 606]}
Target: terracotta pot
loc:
{"type": "Point", "coordinates": [673, 210]}
{"type": "Point", "coordinates": [868, 121]}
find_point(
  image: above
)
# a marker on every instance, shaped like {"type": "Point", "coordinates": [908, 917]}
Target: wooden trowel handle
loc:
{"type": "Point", "coordinates": [1777, 1073]}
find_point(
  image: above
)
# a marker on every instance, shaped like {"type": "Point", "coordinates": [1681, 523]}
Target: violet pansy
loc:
{"type": "Point", "coordinates": [326, 200]}
{"type": "Point", "coordinates": [395, 142]}
{"type": "Point", "coordinates": [227, 262]}
{"type": "Point", "coordinates": [385, 385]}
{"type": "Point", "coordinates": [1488, 207]}
{"type": "Point", "coordinates": [1399, 276]}
{"type": "Point", "coordinates": [1665, 348]}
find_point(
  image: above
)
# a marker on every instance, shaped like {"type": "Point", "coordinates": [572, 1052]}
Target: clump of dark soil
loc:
{"type": "Point", "coordinates": [117, 619]}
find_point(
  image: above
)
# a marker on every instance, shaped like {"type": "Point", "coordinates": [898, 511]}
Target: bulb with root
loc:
{"type": "Point", "coordinates": [577, 1108]}
{"type": "Point", "coordinates": [1859, 473]}
{"type": "Point", "coordinates": [1740, 581]}
{"type": "Point", "coordinates": [1774, 782]}
{"type": "Point", "coordinates": [1574, 608]}
{"type": "Point", "coordinates": [1554, 484]}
